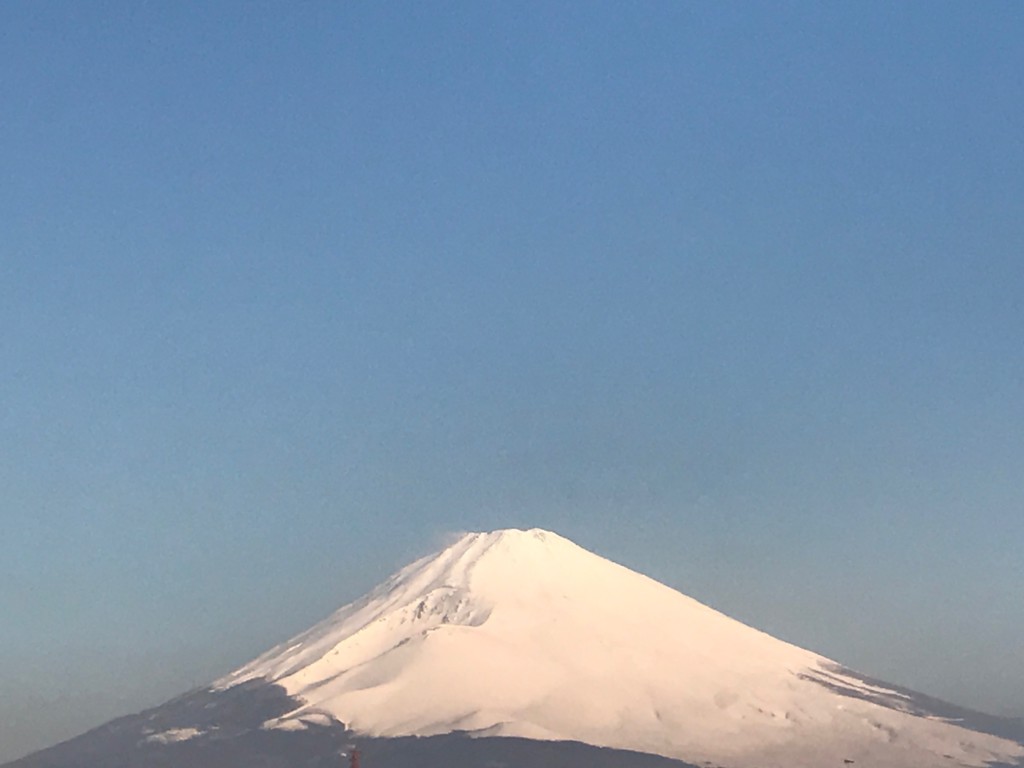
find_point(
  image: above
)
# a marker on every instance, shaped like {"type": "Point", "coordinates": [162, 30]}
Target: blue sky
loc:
{"type": "Point", "coordinates": [731, 293]}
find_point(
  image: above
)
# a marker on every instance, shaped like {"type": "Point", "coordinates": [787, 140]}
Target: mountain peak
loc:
{"type": "Point", "coordinates": [510, 539]}
{"type": "Point", "coordinates": [537, 534]}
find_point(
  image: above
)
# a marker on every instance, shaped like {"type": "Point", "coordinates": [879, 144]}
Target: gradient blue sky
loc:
{"type": "Point", "coordinates": [730, 293]}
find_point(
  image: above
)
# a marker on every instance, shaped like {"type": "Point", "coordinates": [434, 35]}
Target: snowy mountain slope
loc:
{"type": "Point", "coordinates": [525, 634]}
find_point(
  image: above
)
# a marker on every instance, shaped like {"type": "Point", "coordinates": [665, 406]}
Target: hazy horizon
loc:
{"type": "Point", "coordinates": [725, 293]}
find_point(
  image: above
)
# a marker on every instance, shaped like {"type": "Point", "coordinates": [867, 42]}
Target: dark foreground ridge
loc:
{"type": "Point", "coordinates": [231, 736]}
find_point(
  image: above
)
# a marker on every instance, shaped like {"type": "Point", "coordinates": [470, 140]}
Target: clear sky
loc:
{"type": "Point", "coordinates": [730, 293]}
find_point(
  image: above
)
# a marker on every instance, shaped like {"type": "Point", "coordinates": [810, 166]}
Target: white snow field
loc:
{"type": "Point", "coordinates": [523, 633]}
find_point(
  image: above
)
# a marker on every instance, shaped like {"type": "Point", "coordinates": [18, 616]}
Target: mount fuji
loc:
{"type": "Point", "coordinates": [521, 648]}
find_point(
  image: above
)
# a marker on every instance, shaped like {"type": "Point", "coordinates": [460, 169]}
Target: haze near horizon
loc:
{"type": "Point", "coordinates": [729, 294]}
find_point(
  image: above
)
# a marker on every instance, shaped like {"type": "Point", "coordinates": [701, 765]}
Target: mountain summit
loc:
{"type": "Point", "coordinates": [521, 649]}
{"type": "Point", "coordinates": [524, 633]}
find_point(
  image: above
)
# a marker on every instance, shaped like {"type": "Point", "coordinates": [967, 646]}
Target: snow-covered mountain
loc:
{"type": "Point", "coordinates": [523, 633]}
{"type": "Point", "coordinates": [543, 647]}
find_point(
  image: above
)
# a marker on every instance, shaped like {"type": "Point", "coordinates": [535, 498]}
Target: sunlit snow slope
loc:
{"type": "Point", "coordinates": [523, 633]}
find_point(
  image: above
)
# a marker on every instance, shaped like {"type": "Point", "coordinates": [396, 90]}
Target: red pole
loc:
{"type": "Point", "coordinates": [353, 761]}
